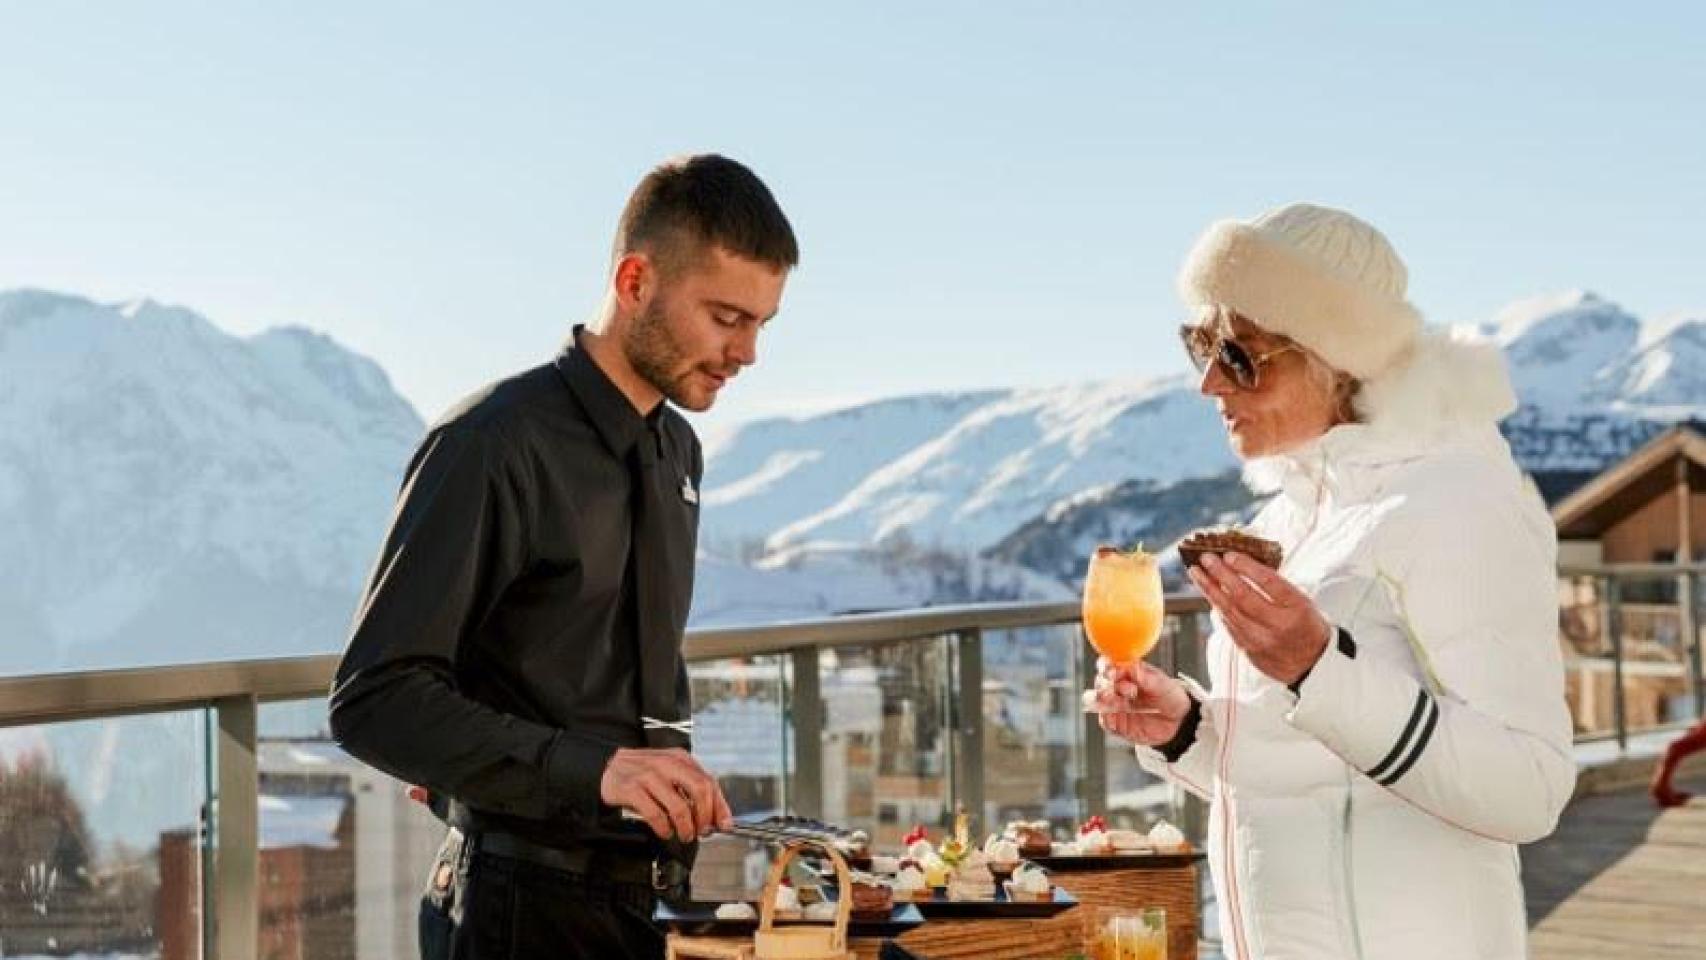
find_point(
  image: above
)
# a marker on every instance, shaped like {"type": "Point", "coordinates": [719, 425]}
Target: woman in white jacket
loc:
{"type": "Point", "coordinates": [1385, 716]}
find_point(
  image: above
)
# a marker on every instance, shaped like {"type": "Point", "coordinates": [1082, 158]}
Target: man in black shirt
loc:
{"type": "Point", "coordinates": [518, 649]}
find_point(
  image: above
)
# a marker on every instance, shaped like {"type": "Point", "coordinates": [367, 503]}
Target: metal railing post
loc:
{"type": "Point", "coordinates": [968, 786]}
{"type": "Point", "coordinates": [806, 708]}
{"type": "Point", "coordinates": [204, 835]}
{"type": "Point", "coordinates": [1611, 625]}
{"type": "Point", "coordinates": [1093, 780]}
{"type": "Point", "coordinates": [1688, 608]}
{"type": "Point", "coordinates": [236, 881]}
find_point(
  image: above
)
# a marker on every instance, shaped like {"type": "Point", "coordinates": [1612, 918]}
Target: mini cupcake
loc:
{"type": "Point", "coordinates": [1168, 839]}
{"type": "Point", "coordinates": [872, 900]}
{"type": "Point", "coordinates": [857, 850]}
{"type": "Point", "coordinates": [1092, 837]}
{"type": "Point", "coordinates": [911, 884]}
{"type": "Point", "coordinates": [1003, 856]}
{"type": "Point", "coordinates": [1031, 883]}
{"type": "Point", "coordinates": [1034, 840]}
{"type": "Point", "coordinates": [972, 879]}
{"type": "Point", "coordinates": [1094, 841]}
{"type": "Point", "coordinates": [787, 902]}
{"type": "Point", "coordinates": [1128, 841]}
{"type": "Point", "coordinates": [736, 911]}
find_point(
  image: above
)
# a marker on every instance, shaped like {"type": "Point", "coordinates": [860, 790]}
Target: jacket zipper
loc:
{"type": "Point", "coordinates": [1347, 864]}
{"type": "Point", "coordinates": [1229, 859]}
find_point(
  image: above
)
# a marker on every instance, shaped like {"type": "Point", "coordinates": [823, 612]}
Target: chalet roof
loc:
{"type": "Point", "coordinates": [1631, 484]}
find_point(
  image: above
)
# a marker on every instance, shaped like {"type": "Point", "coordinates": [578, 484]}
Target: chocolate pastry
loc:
{"type": "Point", "coordinates": [1229, 540]}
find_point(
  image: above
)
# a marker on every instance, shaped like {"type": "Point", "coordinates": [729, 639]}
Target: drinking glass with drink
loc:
{"type": "Point", "coordinates": [1124, 606]}
{"type": "Point", "coordinates": [1117, 933]}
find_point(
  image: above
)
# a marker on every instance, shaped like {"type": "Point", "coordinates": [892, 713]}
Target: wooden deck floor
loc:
{"type": "Point", "coordinates": [1620, 879]}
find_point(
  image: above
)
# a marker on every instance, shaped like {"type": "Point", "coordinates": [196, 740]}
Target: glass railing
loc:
{"type": "Point", "coordinates": [111, 848]}
{"type": "Point", "coordinates": [1631, 637]}
{"type": "Point", "coordinates": [102, 825]}
{"type": "Point", "coordinates": [201, 811]}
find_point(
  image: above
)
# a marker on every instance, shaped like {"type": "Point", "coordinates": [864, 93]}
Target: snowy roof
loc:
{"type": "Point", "coordinates": [306, 755]}
{"type": "Point", "coordinates": [300, 821]}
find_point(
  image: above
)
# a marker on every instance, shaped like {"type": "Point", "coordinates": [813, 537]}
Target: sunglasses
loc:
{"type": "Point", "coordinates": [1241, 366]}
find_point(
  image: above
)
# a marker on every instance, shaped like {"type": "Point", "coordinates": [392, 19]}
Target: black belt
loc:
{"type": "Point", "coordinates": [660, 876]}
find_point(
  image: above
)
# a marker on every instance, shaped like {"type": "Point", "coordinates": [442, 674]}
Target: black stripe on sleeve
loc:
{"type": "Point", "coordinates": [1416, 750]}
{"type": "Point", "coordinates": [1397, 751]}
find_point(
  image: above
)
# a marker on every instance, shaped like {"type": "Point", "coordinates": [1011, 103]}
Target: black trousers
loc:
{"type": "Point", "coordinates": [479, 906]}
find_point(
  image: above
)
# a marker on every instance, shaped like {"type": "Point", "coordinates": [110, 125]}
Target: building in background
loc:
{"type": "Point", "coordinates": [362, 851]}
{"type": "Point", "coordinates": [1649, 508]}
{"type": "Point", "coordinates": [344, 855]}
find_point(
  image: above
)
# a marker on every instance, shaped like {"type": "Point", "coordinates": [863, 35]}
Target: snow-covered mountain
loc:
{"type": "Point", "coordinates": [800, 468]}
{"type": "Point", "coordinates": [1005, 458]}
{"type": "Point", "coordinates": [170, 492]}
{"type": "Point", "coordinates": [1146, 512]}
{"type": "Point", "coordinates": [1577, 354]}
{"type": "Point", "coordinates": [1032, 474]}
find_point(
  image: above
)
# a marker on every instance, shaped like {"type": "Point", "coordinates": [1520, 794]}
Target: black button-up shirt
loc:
{"type": "Point", "coordinates": [495, 657]}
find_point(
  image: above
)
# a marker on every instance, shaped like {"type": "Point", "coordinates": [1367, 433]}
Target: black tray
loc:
{"type": "Point", "coordinates": [700, 920]}
{"type": "Point", "coordinates": [939, 907]}
{"type": "Point", "coordinates": [1117, 861]}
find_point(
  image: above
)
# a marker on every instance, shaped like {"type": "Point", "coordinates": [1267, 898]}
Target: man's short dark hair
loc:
{"type": "Point", "coordinates": [686, 206]}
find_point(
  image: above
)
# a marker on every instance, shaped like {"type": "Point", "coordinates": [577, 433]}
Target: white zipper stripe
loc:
{"type": "Point", "coordinates": [1229, 865]}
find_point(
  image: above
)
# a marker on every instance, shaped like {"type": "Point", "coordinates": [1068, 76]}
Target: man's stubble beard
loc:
{"type": "Point", "coordinates": [657, 356]}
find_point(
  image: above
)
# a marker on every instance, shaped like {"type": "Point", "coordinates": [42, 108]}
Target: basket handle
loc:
{"type": "Point", "coordinates": [843, 885]}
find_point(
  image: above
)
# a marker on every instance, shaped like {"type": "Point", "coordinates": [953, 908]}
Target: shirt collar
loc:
{"type": "Point", "coordinates": [619, 425]}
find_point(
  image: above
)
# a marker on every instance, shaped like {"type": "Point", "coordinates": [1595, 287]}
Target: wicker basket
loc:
{"type": "Point", "coordinates": [804, 941]}
{"type": "Point", "coordinates": [809, 941]}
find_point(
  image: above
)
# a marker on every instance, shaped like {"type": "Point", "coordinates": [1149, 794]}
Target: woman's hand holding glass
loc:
{"type": "Point", "coordinates": [1137, 701]}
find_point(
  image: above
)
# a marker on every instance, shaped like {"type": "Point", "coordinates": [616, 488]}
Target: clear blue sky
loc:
{"type": "Point", "coordinates": [985, 194]}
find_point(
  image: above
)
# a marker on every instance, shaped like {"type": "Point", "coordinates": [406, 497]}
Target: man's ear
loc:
{"type": "Point", "coordinates": [633, 282]}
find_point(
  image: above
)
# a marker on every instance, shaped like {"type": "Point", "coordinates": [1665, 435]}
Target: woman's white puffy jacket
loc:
{"type": "Point", "coordinates": [1376, 814]}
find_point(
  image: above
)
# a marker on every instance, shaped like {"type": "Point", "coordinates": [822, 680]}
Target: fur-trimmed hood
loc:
{"type": "Point", "coordinates": [1451, 387]}
{"type": "Point", "coordinates": [1452, 379]}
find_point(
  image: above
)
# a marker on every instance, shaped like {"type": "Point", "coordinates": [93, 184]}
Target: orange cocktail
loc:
{"type": "Point", "coordinates": [1124, 606]}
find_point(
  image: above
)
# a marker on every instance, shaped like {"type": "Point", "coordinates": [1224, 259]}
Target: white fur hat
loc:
{"type": "Point", "coordinates": [1319, 276]}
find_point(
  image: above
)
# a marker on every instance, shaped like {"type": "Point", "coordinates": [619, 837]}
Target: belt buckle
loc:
{"type": "Point", "coordinates": [668, 877]}
{"type": "Point", "coordinates": [659, 884]}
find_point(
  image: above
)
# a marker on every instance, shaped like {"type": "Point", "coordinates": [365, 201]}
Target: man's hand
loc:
{"type": "Point", "coordinates": [669, 790]}
{"type": "Point", "coordinates": [1273, 622]}
{"type": "Point", "coordinates": [1138, 702]}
